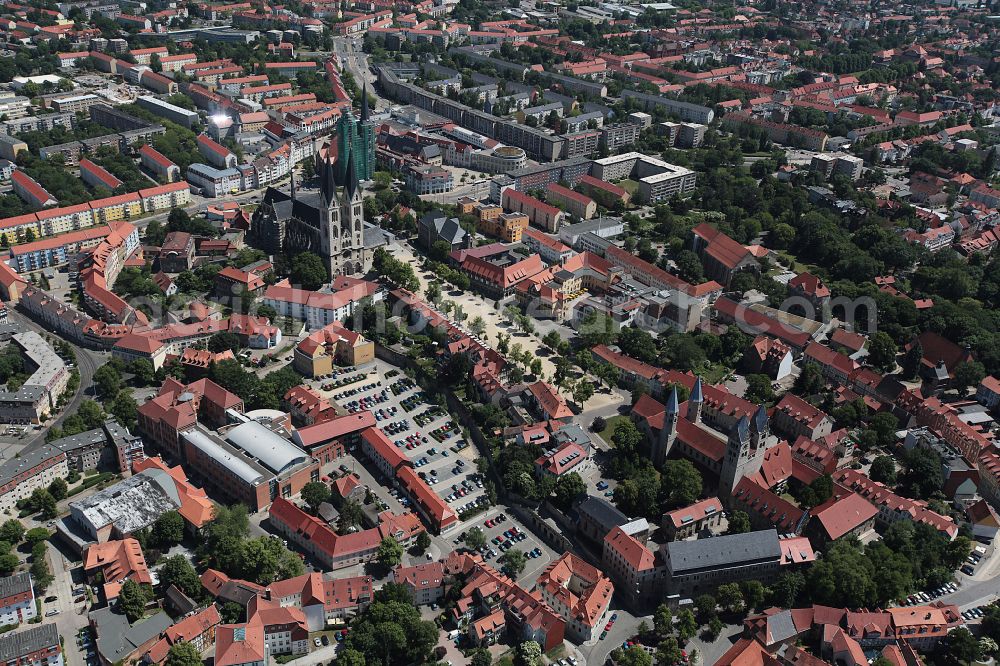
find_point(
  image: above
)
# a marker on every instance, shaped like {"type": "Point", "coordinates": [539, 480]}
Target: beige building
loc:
{"type": "Point", "coordinates": [315, 356]}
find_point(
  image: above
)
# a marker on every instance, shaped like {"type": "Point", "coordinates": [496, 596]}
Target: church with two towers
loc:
{"type": "Point", "coordinates": [330, 221]}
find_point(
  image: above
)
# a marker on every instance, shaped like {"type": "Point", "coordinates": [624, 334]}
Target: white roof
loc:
{"type": "Point", "coordinates": [234, 463]}
{"type": "Point", "coordinates": [273, 451]}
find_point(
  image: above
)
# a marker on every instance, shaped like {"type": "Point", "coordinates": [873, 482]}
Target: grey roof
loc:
{"type": "Point", "coordinates": [723, 551]}
{"type": "Point", "coordinates": [602, 512]}
{"type": "Point", "coordinates": [25, 642]}
{"type": "Point", "coordinates": [16, 584]}
{"type": "Point", "coordinates": [445, 228]}
{"type": "Point", "coordinates": [781, 627]}
{"type": "Point", "coordinates": [225, 455]}
{"type": "Point", "coordinates": [26, 460]}
{"type": "Point", "coordinates": [572, 432]}
{"type": "Point", "coordinates": [131, 504]}
{"type": "Point", "coordinates": [272, 450]}
{"type": "Point", "coordinates": [81, 440]}
{"type": "Point", "coordinates": [116, 639]}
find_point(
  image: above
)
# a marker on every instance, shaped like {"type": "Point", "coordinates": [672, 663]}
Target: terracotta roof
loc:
{"type": "Point", "coordinates": [840, 515]}
{"type": "Point", "coordinates": [638, 557]}
{"type": "Point", "coordinates": [320, 433]}
{"type": "Point", "coordinates": [721, 247]}
{"type": "Point", "coordinates": [695, 512]}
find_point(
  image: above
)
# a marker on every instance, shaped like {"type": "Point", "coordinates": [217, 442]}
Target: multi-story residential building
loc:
{"type": "Point", "coordinates": [17, 600]}
{"type": "Point", "coordinates": [540, 214]}
{"type": "Point", "coordinates": [658, 180]}
{"type": "Point", "coordinates": [619, 135]}
{"type": "Point", "coordinates": [215, 182]}
{"type": "Point", "coordinates": [37, 646]}
{"type": "Point", "coordinates": [30, 191]}
{"type": "Point", "coordinates": [579, 593]}
{"type": "Point", "coordinates": [426, 582]}
{"type": "Point", "coordinates": [337, 551]}
{"type": "Point", "coordinates": [576, 204]}
{"type": "Point", "coordinates": [429, 179]}
{"type": "Point", "coordinates": [797, 418]}
{"type": "Point", "coordinates": [76, 103]}
{"type": "Point", "coordinates": [315, 355]}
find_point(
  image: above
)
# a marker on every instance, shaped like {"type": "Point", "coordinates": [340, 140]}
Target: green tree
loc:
{"type": "Point", "coordinates": [754, 593]}
{"type": "Point", "coordinates": [689, 267]}
{"type": "Point", "coordinates": [132, 600]}
{"type": "Point", "coordinates": [513, 562]}
{"type": "Point", "coordinates": [528, 653]}
{"type": "Point", "coordinates": [423, 542]}
{"type": "Point", "coordinates": [308, 271]}
{"type": "Point", "coordinates": [125, 409]}
{"type": "Point", "coordinates": [730, 597]}
{"type": "Point", "coordinates": [389, 552]}
{"type": "Point", "coordinates": [583, 391]}
{"type": "Point", "coordinates": [681, 482]}
{"type": "Point", "coordinates": [58, 488]}
{"type": "Point", "coordinates": [883, 470]}
{"type": "Point", "coordinates": [911, 360]}
{"type": "Point", "coordinates": [231, 612]}
{"type": "Point", "coordinates": [481, 657]}
{"type": "Point", "coordinates": [176, 570]}
{"type": "Point", "coordinates": [36, 535]}
{"type": "Point", "coordinates": [958, 647]}
{"type": "Point", "coordinates": [568, 488]}
{"type": "Point", "coordinates": [810, 381]}
{"type": "Point", "coordinates": [42, 501]}
{"type": "Point", "coordinates": [107, 382]}
{"type": "Point", "coordinates": [759, 389]}
{"type": "Point", "coordinates": [8, 560]}
{"type": "Point", "coordinates": [669, 651]}
{"type": "Point", "coordinates": [39, 569]}
{"type": "Point", "coordinates": [967, 374]}
{"type": "Point", "coordinates": [687, 625]}
{"type": "Point", "coordinates": [183, 653]}
{"type": "Point", "coordinates": [882, 351]}
{"type": "Point", "coordinates": [142, 370]}
{"type": "Point", "coordinates": [223, 340]}
{"type": "Point", "coordinates": [475, 538]}
{"type": "Point", "coordinates": [168, 529]}
{"type": "Point", "coordinates": [739, 522]}
{"type": "Point", "coordinates": [12, 531]}
{"type": "Point", "coordinates": [707, 607]}
{"type": "Point", "coordinates": [634, 656]}
{"type": "Point", "coordinates": [663, 621]}
{"type": "Point", "coordinates": [350, 657]}
{"type": "Point", "coordinates": [626, 437]}
{"type": "Point", "coordinates": [223, 536]}
{"type": "Point", "coordinates": [315, 493]}
{"type": "Point", "coordinates": [350, 516]}
{"type": "Point", "coordinates": [389, 633]}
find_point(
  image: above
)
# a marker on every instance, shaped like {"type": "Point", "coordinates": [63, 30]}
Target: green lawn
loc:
{"type": "Point", "coordinates": [609, 429]}
{"type": "Point", "coordinates": [631, 186]}
{"type": "Point", "coordinates": [715, 374]}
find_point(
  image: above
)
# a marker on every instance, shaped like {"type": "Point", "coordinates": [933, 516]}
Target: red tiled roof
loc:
{"type": "Point", "coordinates": [638, 557]}
{"type": "Point", "coordinates": [721, 247]}
{"type": "Point", "coordinates": [326, 431]}
{"type": "Point", "coordinates": [840, 515]}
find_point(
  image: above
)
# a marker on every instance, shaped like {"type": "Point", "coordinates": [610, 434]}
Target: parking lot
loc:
{"type": "Point", "coordinates": [422, 430]}
{"type": "Point", "coordinates": [494, 524]}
